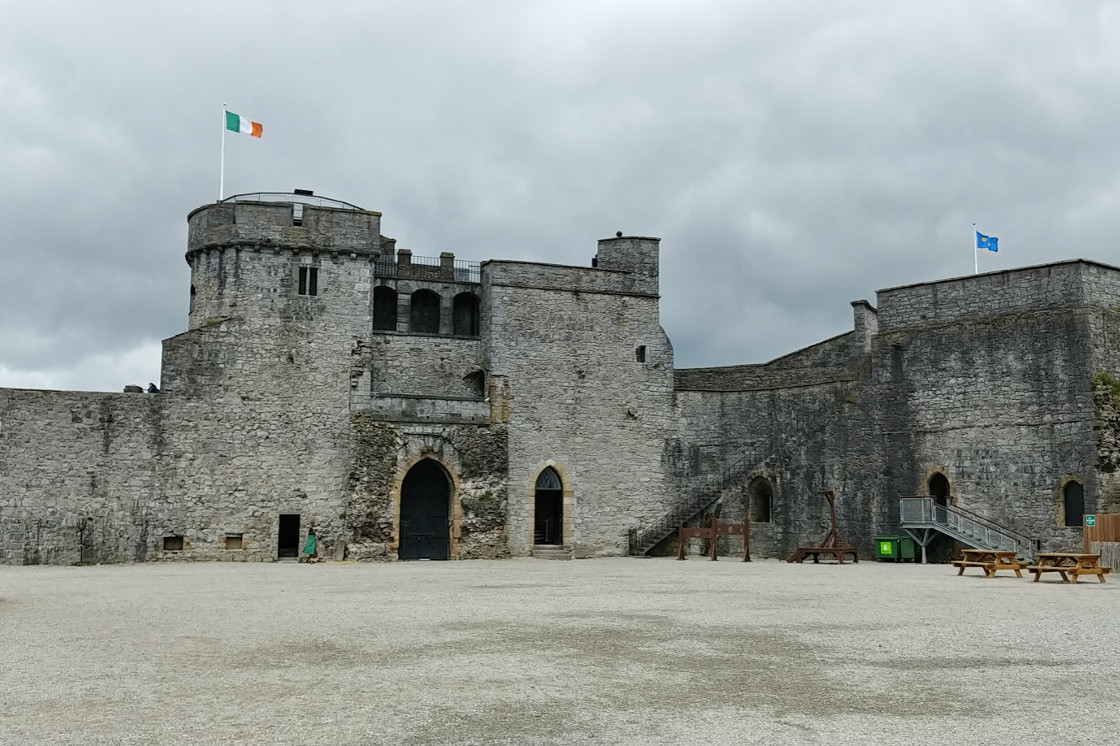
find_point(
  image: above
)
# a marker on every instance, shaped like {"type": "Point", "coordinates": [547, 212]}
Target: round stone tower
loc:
{"type": "Point", "coordinates": [250, 251]}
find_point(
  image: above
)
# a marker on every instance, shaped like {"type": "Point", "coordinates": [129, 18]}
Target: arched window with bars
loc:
{"type": "Point", "coordinates": [424, 312]}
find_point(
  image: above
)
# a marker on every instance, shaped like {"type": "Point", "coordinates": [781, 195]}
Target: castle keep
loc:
{"type": "Point", "coordinates": [412, 407]}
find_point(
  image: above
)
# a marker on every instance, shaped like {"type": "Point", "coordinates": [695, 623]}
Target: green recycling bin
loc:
{"type": "Point", "coordinates": [888, 548]}
{"type": "Point", "coordinates": [907, 549]}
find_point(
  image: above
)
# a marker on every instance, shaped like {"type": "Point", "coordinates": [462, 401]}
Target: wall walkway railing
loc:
{"type": "Point", "coordinates": [403, 265]}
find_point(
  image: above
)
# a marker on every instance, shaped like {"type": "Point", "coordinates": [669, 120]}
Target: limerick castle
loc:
{"type": "Point", "coordinates": [410, 407]}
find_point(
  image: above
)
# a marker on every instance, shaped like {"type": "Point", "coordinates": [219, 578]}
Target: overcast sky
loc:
{"type": "Point", "coordinates": [792, 156]}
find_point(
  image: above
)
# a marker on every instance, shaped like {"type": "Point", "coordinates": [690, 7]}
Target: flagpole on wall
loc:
{"type": "Point", "coordinates": [222, 167]}
{"type": "Point", "coordinates": [975, 251]}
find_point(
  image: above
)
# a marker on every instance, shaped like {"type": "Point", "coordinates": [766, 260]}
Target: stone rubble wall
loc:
{"type": "Point", "coordinates": [475, 459]}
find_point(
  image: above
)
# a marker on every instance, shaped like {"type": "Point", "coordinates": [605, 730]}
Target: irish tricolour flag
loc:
{"type": "Point", "coordinates": [243, 124]}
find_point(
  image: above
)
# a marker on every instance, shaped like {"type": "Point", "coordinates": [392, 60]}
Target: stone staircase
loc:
{"type": "Point", "coordinates": [551, 553]}
{"type": "Point", "coordinates": [644, 538]}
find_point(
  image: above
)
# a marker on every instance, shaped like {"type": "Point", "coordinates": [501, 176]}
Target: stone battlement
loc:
{"type": "Point", "coordinates": [283, 225]}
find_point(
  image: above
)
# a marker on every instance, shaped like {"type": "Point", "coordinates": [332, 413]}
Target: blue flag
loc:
{"type": "Point", "coordinates": [991, 243]}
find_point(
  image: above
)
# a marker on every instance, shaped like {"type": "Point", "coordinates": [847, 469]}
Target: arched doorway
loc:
{"type": "Point", "coordinates": [384, 309]}
{"type": "Point", "coordinates": [941, 548]}
{"type": "Point", "coordinates": [424, 313]}
{"type": "Point", "coordinates": [761, 495]}
{"type": "Point", "coordinates": [425, 513]}
{"type": "Point", "coordinates": [1073, 504]}
{"type": "Point", "coordinates": [548, 509]}
{"type": "Point", "coordinates": [464, 314]}
{"type": "Point", "coordinates": [939, 489]}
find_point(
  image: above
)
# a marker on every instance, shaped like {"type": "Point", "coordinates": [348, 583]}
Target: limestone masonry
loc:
{"type": "Point", "coordinates": [411, 407]}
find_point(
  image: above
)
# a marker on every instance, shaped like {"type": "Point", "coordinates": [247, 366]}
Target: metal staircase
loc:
{"type": "Point", "coordinates": [644, 538]}
{"type": "Point", "coordinates": [926, 515]}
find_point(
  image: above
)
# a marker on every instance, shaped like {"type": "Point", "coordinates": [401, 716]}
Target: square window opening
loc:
{"type": "Point", "coordinates": [173, 543]}
{"type": "Point", "coordinates": [233, 541]}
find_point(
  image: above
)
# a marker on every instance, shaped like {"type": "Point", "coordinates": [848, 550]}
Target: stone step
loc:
{"type": "Point", "coordinates": [552, 554]}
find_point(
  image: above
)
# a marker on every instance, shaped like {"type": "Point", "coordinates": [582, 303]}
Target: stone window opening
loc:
{"type": "Point", "coordinates": [424, 312]}
{"type": "Point", "coordinates": [640, 353]}
{"type": "Point", "coordinates": [384, 309]}
{"type": "Point", "coordinates": [233, 541]}
{"type": "Point", "coordinates": [476, 382]}
{"type": "Point", "coordinates": [308, 280]}
{"type": "Point", "coordinates": [1073, 504]}
{"type": "Point", "coordinates": [173, 543]}
{"type": "Point", "coordinates": [465, 315]}
{"type": "Point", "coordinates": [760, 494]}
{"type": "Point", "coordinates": [190, 309]}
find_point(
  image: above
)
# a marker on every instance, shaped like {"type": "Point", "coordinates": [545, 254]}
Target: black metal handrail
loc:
{"type": "Point", "coordinates": [427, 267]}
{"type": "Point", "coordinates": [290, 197]}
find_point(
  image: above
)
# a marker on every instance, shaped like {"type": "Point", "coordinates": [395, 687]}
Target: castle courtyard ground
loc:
{"type": "Point", "coordinates": [612, 651]}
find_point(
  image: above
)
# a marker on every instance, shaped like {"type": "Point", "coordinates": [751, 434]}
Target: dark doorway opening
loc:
{"type": "Point", "coordinates": [425, 513]}
{"type": "Point", "coordinates": [384, 309]}
{"type": "Point", "coordinates": [761, 508]}
{"type": "Point", "coordinates": [465, 314]}
{"type": "Point", "coordinates": [1073, 504]}
{"type": "Point", "coordinates": [424, 312]}
{"type": "Point", "coordinates": [287, 538]}
{"type": "Point", "coordinates": [939, 489]}
{"type": "Point", "coordinates": [548, 509]}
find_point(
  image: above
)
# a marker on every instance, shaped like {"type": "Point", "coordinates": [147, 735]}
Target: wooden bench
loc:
{"type": "Point", "coordinates": [991, 560]}
{"type": "Point", "coordinates": [1070, 565]}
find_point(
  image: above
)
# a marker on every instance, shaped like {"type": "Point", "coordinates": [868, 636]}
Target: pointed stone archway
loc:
{"type": "Point", "coordinates": [548, 509]}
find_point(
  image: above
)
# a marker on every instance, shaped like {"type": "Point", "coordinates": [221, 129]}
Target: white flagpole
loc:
{"type": "Point", "coordinates": [222, 167]}
{"type": "Point", "coordinates": [975, 251]}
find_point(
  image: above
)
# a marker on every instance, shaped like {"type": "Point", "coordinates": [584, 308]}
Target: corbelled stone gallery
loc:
{"type": "Point", "coordinates": [411, 407]}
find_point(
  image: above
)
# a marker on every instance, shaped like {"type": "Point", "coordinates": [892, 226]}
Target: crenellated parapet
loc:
{"type": "Point", "coordinates": [284, 222]}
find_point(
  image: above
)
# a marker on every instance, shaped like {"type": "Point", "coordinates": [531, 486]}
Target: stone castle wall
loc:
{"type": "Point", "coordinates": [76, 476]}
{"type": "Point", "coordinates": [277, 401]}
{"type": "Point", "coordinates": [801, 422]}
{"type": "Point", "coordinates": [995, 392]}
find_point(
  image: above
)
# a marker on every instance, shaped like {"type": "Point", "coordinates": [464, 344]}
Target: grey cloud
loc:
{"type": "Point", "coordinates": [793, 157]}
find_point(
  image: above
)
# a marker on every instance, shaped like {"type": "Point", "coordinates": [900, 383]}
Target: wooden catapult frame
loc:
{"type": "Point", "coordinates": [834, 542]}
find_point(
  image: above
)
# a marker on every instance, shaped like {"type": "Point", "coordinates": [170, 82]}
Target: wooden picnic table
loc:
{"type": "Point", "coordinates": [1069, 565]}
{"type": "Point", "coordinates": [991, 560]}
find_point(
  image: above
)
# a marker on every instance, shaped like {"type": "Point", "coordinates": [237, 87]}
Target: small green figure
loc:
{"type": "Point", "coordinates": [311, 548]}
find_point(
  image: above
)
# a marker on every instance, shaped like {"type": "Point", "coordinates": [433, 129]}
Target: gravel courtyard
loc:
{"type": "Point", "coordinates": [615, 651]}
